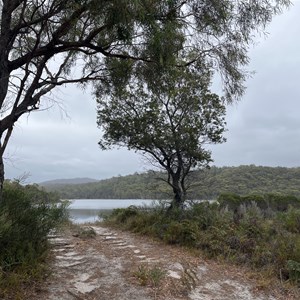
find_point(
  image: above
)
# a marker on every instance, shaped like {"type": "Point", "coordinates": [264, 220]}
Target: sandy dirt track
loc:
{"type": "Point", "coordinates": [112, 265]}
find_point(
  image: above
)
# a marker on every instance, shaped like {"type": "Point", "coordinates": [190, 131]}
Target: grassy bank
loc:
{"type": "Point", "coordinates": [261, 232]}
{"type": "Point", "coordinates": [27, 216]}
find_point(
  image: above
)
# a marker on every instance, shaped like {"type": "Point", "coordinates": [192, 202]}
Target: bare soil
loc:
{"type": "Point", "coordinates": [120, 265]}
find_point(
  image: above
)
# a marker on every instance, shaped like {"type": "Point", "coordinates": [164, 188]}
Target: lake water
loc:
{"type": "Point", "coordinates": [88, 210]}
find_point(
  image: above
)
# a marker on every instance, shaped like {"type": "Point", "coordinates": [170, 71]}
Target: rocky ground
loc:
{"type": "Point", "coordinates": [113, 264]}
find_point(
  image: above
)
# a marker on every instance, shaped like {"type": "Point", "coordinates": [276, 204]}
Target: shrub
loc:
{"type": "Point", "coordinates": [25, 223]}
{"type": "Point", "coordinates": [204, 213]}
{"type": "Point", "coordinates": [282, 202]}
{"type": "Point", "coordinates": [121, 215]}
{"type": "Point", "coordinates": [259, 200]}
{"type": "Point", "coordinates": [275, 202]}
{"type": "Point", "coordinates": [291, 220]}
{"type": "Point", "coordinates": [185, 233]}
{"type": "Point", "coordinates": [293, 268]}
{"type": "Point", "coordinates": [229, 200]}
{"type": "Point", "coordinates": [150, 276]}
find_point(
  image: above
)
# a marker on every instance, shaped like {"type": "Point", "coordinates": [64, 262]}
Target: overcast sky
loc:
{"type": "Point", "coordinates": [263, 128]}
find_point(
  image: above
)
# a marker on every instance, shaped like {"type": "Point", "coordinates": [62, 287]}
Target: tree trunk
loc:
{"type": "Point", "coordinates": [1, 176]}
{"type": "Point", "coordinates": [179, 194]}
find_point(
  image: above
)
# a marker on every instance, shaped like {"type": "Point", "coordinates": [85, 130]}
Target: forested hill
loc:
{"type": "Point", "coordinates": [67, 181]}
{"type": "Point", "coordinates": [208, 184]}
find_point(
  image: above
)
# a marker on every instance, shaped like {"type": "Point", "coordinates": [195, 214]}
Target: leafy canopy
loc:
{"type": "Point", "coordinates": [50, 43]}
{"type": "Point", "coordinates": [170, 123]}
{"type": "Point", "coordinates": [166, 109]}
{"type": "Point", "coordinates": [181, 114]}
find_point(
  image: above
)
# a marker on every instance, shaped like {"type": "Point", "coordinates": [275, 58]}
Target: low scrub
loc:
{"type": "Point", "coordinates": [150, 276]}
{"type": "Point", "coordinates": [263, 237]}
{"type": "Point", "coordinates": [274, 202]}
{"type": "Point", "coordinates": [27, 216]}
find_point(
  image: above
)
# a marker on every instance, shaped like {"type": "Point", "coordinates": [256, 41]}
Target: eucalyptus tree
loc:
{"type": "Point", "coordinates": [45, 44]}
{"type": "Point", "coordinates": [170, 123]}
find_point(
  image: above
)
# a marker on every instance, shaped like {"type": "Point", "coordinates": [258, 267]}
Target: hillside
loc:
{"type": "Point", "coordinates": [56, 182]}
{"type": "Point", "coordinates": [207, 184]}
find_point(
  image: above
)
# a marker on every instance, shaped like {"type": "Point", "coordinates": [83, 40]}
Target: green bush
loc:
{"type": "Point", "coordinates": [275, 202]}
{"type": "Point", "coordinates": [259, 200]}
{"type": "Point", "coordinates": [293, 268]}
{"type": "Point", "coordinates": [229, 200]}
{"type": "Point", "coordinates": [184, 233]}
{"type": "Point", "coordinates": [25, 223]}
{"type": "Point", "coordinates": [121, 215]}
{"type": "Point", "coordinates": [204, 213]}
{"type": "Point", "coordinates": [291, 220]}
{"type": "Point", "coordinates": [282, 202]}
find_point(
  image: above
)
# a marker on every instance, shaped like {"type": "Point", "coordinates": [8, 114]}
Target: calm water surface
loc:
{"type": "Point", "coordinates": [88, 210]}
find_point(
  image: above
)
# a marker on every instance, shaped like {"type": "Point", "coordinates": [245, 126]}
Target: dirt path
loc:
{"type": "Point", "coordinates": [120, 265]}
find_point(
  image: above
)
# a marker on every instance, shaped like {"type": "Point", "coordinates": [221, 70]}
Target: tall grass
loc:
{"type": "Point", "coordinates": [27, 216]}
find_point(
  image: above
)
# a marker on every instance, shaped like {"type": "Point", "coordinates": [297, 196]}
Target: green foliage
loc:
{"type": "Point", "coordinates": [273, 202]}
{"type": "Point", "coordinates": [142, 275]}
{"type": "Point", "coordinates": [231, 200]}
{"type": "Point", "coordinates": [150, 276]}
{"type": "Point", "coordinates": [151, 34]}
{"type": "Point", "coordinates": [169, 122]}
{"type": "Point", "coordinates": [294, 270]}
{"type": "Point", "coordinates": [26, 219]}
{"type": "Point", "coordinates": [291, 220]}
{"type": "Point", "coordinates": [208, 184]}
{"type": "Point", "coordinates": [123, 214]}
{"type": "Point", "coordinates": [282, 203]}
{"type": "Point", "coordinates": [185, 232]}
{"type": "Point", "coordinates": [137, 186]}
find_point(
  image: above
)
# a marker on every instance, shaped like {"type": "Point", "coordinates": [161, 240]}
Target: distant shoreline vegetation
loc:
{"type": "Point", "coordinates": [207, 184]}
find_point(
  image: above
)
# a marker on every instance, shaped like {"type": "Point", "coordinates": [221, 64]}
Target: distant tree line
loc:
{"type": "Point", "coordinates": [208, 184]}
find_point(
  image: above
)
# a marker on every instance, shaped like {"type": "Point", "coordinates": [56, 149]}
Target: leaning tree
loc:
{"type": "Point", "coordinates": [45, 44]}
{"type": "Point", "coordinates": [170, 122]}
